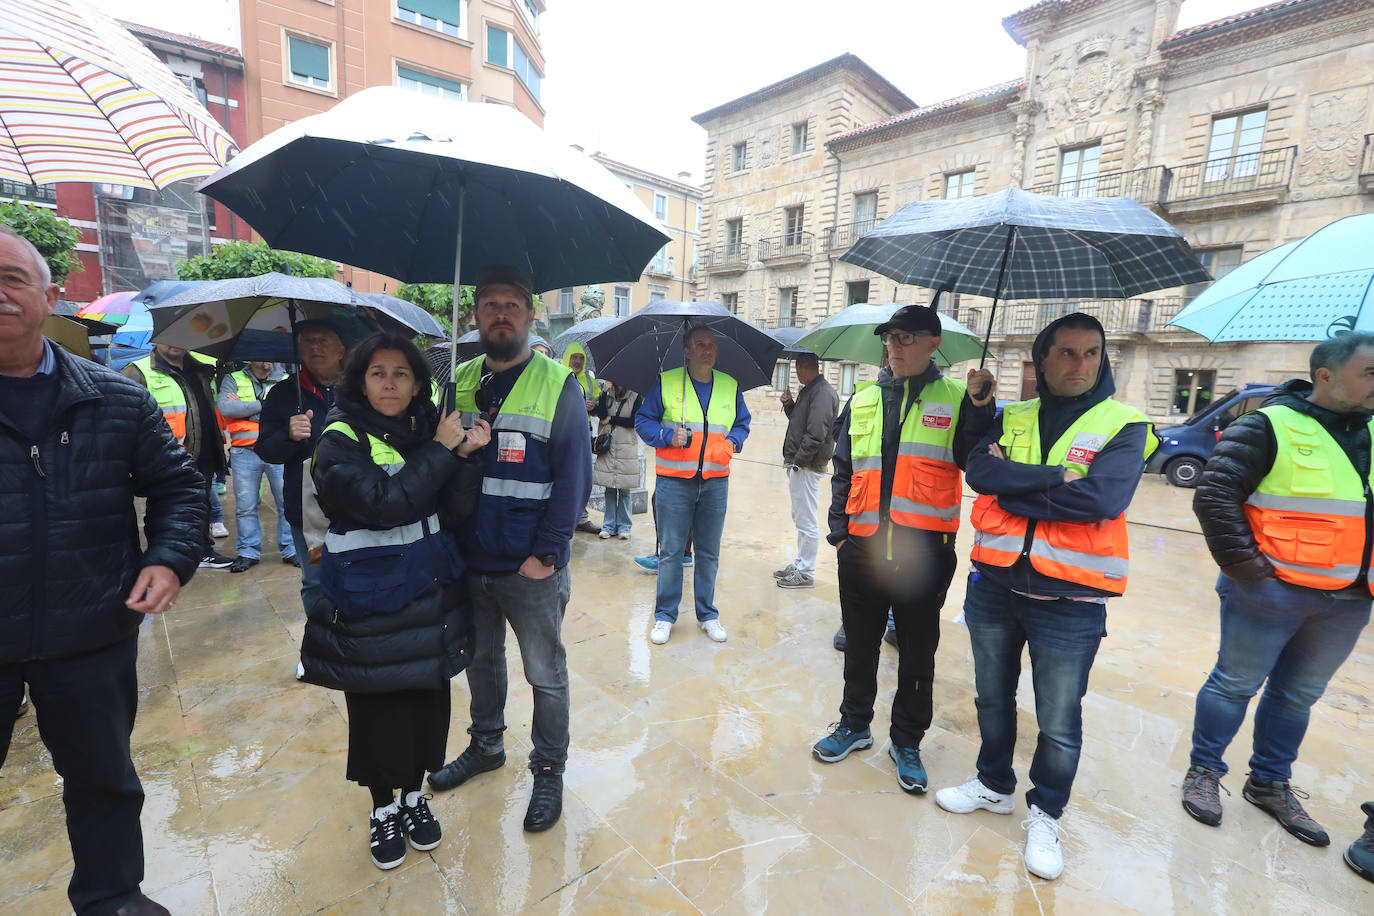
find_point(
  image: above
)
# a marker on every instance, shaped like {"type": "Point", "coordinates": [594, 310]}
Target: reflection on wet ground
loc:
{"type": "Point", "coordinates": [690, 786]}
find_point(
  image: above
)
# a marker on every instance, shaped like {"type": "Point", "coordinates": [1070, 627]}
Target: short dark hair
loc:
{"type": "Point", "coordinates": [318, 324]}
{"type": "Point", "coordinates": [1334, 352]}
{"type": "Point", "coordinates": [354, 384]}
{"type": "Point", "coordinates": [810, 360]}
{"type": "Point", "coordinates": [694, 329]}
{"type": "Point", "coordinates": [1078, 321]}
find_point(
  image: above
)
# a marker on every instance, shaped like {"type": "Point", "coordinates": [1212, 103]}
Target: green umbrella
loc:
{"type": "Point", "coordinates": [848, 335]}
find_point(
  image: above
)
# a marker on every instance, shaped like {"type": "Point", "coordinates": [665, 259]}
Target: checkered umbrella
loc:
{"type": "Point", "coordinates": [1018, 245]}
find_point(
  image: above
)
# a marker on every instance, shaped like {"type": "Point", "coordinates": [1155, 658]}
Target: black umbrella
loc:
{"type": "Point", "coordinates": [788, 337]}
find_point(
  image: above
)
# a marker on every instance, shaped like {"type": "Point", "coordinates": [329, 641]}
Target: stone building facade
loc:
{"type": "Point", "coordinates": [1243, 133]}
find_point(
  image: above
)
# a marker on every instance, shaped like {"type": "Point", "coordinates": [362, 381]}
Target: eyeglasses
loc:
{"type": "Point", "coordinates": [903, 338]}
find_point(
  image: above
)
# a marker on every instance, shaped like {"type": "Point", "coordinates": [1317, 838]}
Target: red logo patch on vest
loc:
{"type": "Point", "coordinates": [938, 416]}
{"type": "Point", "coordinates": [1085, 448]}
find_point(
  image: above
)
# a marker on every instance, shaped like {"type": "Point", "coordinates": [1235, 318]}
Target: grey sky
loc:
{"type": "Point", "coordinates": [625, 76]}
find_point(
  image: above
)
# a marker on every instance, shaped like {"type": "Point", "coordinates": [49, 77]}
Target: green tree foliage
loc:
{"type": "Point", "coordinates": [249, 259]}
{"type": "Point", "coordinates": [437, 299]}
{"type": "Point", "coordinates": [53, 236]}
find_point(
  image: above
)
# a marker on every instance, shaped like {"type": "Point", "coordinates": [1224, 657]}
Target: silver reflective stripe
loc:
{"type": "Point", "coordinates": [361, 538]}
{"type": "Point", "coordinates": [901, 504]}
{"type": "Point", "coordinates": [718, 430]}
{"type": "Point", "coordinates": [1311, 505]}
{"type": "Point", "coordinates": [1347, 573]}
{"type": "Point", "coordinates": [926, 450]}
{"type": "Point", "coordinates": [1111, 567]}
{"type": "Point", "coordinates": [1007, 543]}
{"type": "Point", "coordinates": [519, 423]}
{"type": "Point", "coordinates": [519, 489]}
{"type": "Point", "coordinates": [676, 465]}
{"type": "Point", "coordinates": [712, 466]}
{"type": "Point", "coordinates": [865, 518]}
{"type": "Point", "coordinates": [874, 463]}
{"type": "Point", "coordinates": [392, 469]}
{"type": "Point", "coordinates": [694, 427]}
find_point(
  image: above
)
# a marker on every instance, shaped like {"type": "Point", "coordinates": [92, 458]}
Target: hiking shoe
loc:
{"type": "Point", "coordinates": [1201, 799]}
{"type": "Point", "coordinates": [217, 530]}
{"type": "Point", "coordinates": [973, 796]}
{"type": "Point", "coordinates": [713, 629]}
{"type": "Point", "coordinates": [839, 641]}
{"type": "Point", "coordinates": [911, 773]}
{"type": "Point", "coordinates": [687, 559]}
{"type": "Point", "coordinates": [890, 637]}
{"type": "Point", "coordinates": [215, 560]}
{"type": "Point", "coordinates": [797, 579]}
{"type": "Point", "coordinates": [546, 800]}
{"type": "Point", "coordinates": [786, 571]}
{"type": "Point", "coordinates": [242, 564]}
{"type": "Point", "coordinates": [1044, 857]}
{"type": "Point", "coordinates": [647, 564]}
{"type": "Point", "coordinates": [1281, 800]}
{"type": "Point", "coordinates": [388, 845]}
{"type": "Point", "coordinates": [1360, 855]}
{"type": "Point", "coordinates": [422, 828]}
{"type": "Point", "coordinates": [837, 745]}
{"type": "Point", "coordinates": [661, 631]}
{"type": "Point", "coordinates": [467, 765]}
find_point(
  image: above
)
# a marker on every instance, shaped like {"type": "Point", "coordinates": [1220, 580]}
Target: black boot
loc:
{"type": "Point", "coordinates": [467, 765]}
{"type": "Point", "coordinates": [1360, 855]}
{"type": "Point", "coordinates": [546, 801]}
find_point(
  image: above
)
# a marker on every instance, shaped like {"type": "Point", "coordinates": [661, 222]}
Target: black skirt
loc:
{"type": "Point", "coordinates": [395, 738]}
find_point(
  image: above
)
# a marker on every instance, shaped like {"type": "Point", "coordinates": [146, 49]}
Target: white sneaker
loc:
{"type": "Point", "coordinates": [624, 535]}
{"type": "Point", "coordinates": [604, 535]}
{"type": "Point", "coordinates": [300, 671]}
{"type": "Point", "coordinates": [713, 629]}
{"type": "Point", "coordinates": [972, 796]}
{"type": "Point", "coordinates": [217, 530]}
{"type": "Point", "coordinates": [660, 633]}
{"type": "Point", "coordinates": [1044, 857]}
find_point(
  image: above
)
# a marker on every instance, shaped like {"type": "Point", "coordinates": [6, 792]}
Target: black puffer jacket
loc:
{"type": "Point", "coordinates": [1242, 458]}
{"type": "Point", "coordinates": [426, 642]}
{"type": "Point", "coordinates": [69, 546]}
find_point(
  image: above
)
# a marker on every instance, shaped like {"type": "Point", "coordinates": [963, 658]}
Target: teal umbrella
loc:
{"type": "Point", "coordinates": [1317, 287]}
{"type": "Point", "coordinates": [848, 335]}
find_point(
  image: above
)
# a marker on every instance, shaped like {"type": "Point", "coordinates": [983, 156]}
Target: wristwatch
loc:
{"type": "Point", "coordinates": [548, 559]}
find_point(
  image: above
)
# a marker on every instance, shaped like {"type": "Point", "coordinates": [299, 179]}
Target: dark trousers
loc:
{"type": "Point", "coordinates": [914, 588]}
{"type": "Point", "coordinates": [85, 706]}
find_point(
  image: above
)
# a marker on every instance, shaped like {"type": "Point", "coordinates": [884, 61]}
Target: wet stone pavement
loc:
{"type": "Point", "coordinates": [691, 788]}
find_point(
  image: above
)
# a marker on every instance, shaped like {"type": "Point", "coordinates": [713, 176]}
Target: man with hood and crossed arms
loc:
{"type": "Point", "coordinates": [1056, 474]}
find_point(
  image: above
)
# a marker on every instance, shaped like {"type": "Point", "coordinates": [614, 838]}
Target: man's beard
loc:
{"type": "Point", "coordinates": [503, 351]}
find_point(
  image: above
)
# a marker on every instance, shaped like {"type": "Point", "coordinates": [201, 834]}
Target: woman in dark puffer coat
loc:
{"type": "Point", "coordinates": [392, 626]}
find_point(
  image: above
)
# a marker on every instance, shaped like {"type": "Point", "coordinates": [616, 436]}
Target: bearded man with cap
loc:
{"type": "Point", "coordinates": [537, 477]}
{"type": "Point", "coordinates": [896, 492]}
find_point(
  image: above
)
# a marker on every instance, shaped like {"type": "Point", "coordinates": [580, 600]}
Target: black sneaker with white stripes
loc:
{"type": "Point", "coordinates": [422, 828]}
{"type": "Point", "coordinates": [388, 845]}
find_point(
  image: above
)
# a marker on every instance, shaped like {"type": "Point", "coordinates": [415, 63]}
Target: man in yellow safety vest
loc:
{"type": "Point", "coordinates": [240, 403]}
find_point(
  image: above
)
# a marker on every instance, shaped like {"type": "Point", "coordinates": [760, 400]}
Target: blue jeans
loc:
{"type": "Point", "coordinates": [1063, 636]}
{"type": "Point", "coordinates": [617, 516]}
{"type": "Point", "coordinates": [310, 575]}
{"type": "Point", "coordinates": [1295, 638]}
{"type": "Point", "coordinates": [248, 470]}
{"type": "Point", "coordinates": [216, 510]}
{"type": "Point", "coordinates": [535, 609]}
{"type": "Point", "coordinates": [695, 508]}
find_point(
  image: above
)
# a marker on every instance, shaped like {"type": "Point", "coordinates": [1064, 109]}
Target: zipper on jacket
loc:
{"type": "Point", "coordinates": [37, 464]}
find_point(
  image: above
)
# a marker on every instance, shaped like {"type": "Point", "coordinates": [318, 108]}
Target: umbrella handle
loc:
{"type": "Point", "coordinates": [1001, 276]}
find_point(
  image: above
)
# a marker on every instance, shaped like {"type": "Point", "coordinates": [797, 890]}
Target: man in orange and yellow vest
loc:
{"type": "Point", "coordinates": [1286, 508]}
{"type": "Point", "coordinates": [240, 403]}
{"type": "Point", "coordinates": [900, 446]}
{"type": "Point", "coordinates": [696, 420]}
{"type": "Point", "coordinates": [1056, 475]}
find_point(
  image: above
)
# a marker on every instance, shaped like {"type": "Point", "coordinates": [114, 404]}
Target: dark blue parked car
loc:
{"type": "Point", "coordinates": [1183, 450]}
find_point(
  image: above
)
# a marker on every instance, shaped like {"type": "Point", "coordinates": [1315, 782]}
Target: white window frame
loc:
{"type": "Point", "coordinates": [801, 130]}
{"type": "Point", "coordinates": [454, 30]}
{"type": "Point", "coordinates": [788, 297]}
{"type": "Point", "coordinates": [512, 43]}
{"type": "Point", "coordinates": [1080, 183]}
{"type": "Point", "coordinates": [402, 80]}
{"type": "Point", "coordinates": [308, 83]}
{"type": "Point", "coordinates": [730, 301]}
{"type": "Point", "coordinates": [660, 206]}
{"type": "Point", "coordinates": [567, 303]}
{"type": "Point", "coordinates": [739, 156]}
{"type": "Point", "coordinates": [849, 378]}
{"type": "Point", "coordinates": [782, 372]}
{"type": "Point", "coordinates": [962, 182]}
{"type": "Point", "coordinates": [619, 295]}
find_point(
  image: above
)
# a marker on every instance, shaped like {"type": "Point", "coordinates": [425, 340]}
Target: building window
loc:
{"type": "Point", "coordinates": [657, 293]}
{"type": "Point", "coordinates": [1219, 262]}
{"type": "Point", "coordinates": [530, 10]}
{"type": "Point", "coordinates": [855, 291]}
{"type": "Point", "coordinates": [959, 184]}
{"type": "Point", "coordinates": [740, 154]}
{"type": "Point", "coordinates": [308, 63]}
{"type": "Point", "coordinates": [849, 375]}
{"type": "Point", "coordinates": [621, 300]}
{"type": "Point", "coordinates": [445, 16]}
{"type": "Point", "coordinates": [800, 142]}
{"type": "Point", "coordinates": [734, 236]}
{"type": "Point", "coordinates": [504, 51]}
{"type": "Point", "coordinates": [1078, 171]}
{"type": "Point", "coordinates": [661, 206]}
{"type": "Point", "coordinates": [730, 301]}
{"type": "Point", "coordinates": [428, 84]}
{"type": "Point", "coordinates": [1192, 390]}
{"type": "Point", "coordinates": [1234, 149]}
{"type": "Point", "coordinates": [565, 301]}
{"type": "Point", "coordinates": [865, 212]}
{"type": "Point", "coordinates": [787, 307]}
{"type": "Point", "coordinates": [661, 264]}
{"type": "Point", "coordinates": [796, 222]}
{"type": "Point", "coordinates": [782, 375]}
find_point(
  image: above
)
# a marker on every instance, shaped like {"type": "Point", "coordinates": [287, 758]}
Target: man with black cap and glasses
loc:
{"type": "Point", "coordinates": [896, 493]}
{"type": "Point", "coordinates": [538, 475]}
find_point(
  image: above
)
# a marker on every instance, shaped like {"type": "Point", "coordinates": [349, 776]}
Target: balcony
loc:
{"type": "Point", "coordinates": [794, 247]}
{"type": "Point", "coordinates": [731, 259]}
{"type": "Point", "coordinates": [782, 321]}
{"type": "Point", "coordinates": [838, 237]}
{"type": "Point", "coordinates": [1237, 184]}
{"type": "Point", "coordinates": [1367, 164]}
{"type": "Point", "coordinates": [660, 267]}
{"type": "Point", "coordinates": [43, 195]}
{"type": "Point", "coordinates": [1148, 186]}
{"type": "Point", "coordinates": [1119, 317]}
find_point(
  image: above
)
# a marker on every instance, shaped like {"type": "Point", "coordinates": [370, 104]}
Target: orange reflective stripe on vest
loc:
{"type": "Point", "coordinates": [709, 450]}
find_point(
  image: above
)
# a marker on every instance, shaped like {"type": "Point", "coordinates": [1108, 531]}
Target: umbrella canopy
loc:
{"type": "Point", "coordinates": [636, 350]}
{"type": "Point", "coordinates": [83, 100]}
{"type": "Point", "coordinates": [584, 331]}
{"type": "Point", "coordinates": [71, 312]}
{"type": "Point", "coordinates": [1317, 287]}
{"type": "Point", "coordinates": [403, 312]}
{"type": "Point", "coordinates": [388, 180]}
{"type": "Point", "coordinates": [71, 335]}
{"type": "Point", "coordinates": [788, 337]}
{"type": "Point", "coordinates": [1018, 245]}
{"type": "Point", "coordinates": [848, 334]}
{"type": "Point", "coordinates": [115, 309]}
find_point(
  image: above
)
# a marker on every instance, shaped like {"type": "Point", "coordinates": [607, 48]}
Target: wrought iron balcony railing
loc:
{"type": "Point", "coordinates": [844, 236]}
{"type": "Point", "coordinates": [1264, 170]}
{"type": "Point", "coordinates": [1118, 316]}
{"type": "Point", "coordinates": [1149, 185]}
{"type": "Point", "coordinates": [790, 245]}
{"type": "Point", "coordinates": [725, 258]}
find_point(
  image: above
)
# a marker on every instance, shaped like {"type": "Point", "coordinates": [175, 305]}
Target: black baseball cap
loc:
{"type": "Point", "coordinates": [504, 274]}
{"type": "Point", "coordinates": [911, 318]}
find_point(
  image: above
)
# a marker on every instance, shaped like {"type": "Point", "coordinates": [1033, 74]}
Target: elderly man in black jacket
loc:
{"type": "Point", "coordinates": [806, 451]}
{"type": "Point", "coordinates": [77, 444]}
{"type": "Point", "coordinates": [1284, 504]}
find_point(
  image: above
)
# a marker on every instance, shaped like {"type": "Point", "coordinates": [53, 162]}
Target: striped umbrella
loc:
{"type": "Point", "coordinates": [81, 99]}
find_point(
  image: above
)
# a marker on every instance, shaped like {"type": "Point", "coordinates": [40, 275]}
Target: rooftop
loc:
{"type": "Point", "coordinates": [184, 41]}
{"type": "Point", "coordinates": [889, 93]}
{"type": "Point", "coordinates": [975, 102]}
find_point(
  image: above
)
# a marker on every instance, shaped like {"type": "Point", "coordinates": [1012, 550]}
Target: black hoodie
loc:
{"type": "Point", "coordinates": [1241, 460]}
{"type": "Point", "coordinates": [1038, 491]}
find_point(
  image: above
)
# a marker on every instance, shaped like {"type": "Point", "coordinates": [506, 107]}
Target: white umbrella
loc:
{"type": "Point", "coordinates": [81, 99]}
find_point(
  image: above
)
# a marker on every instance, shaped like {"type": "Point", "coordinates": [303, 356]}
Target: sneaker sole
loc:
{"type": "Point", "coordinates": [659, 642]}
{"type": "Point", "coordinates": [1044, 875]}
{"type": "Point", "coordinates": [1006, 807]}
{"type": "Point", "coordinates": [484, 769]}
{"type": "Point", "coordinates": [644, 569]}
{"type": "Point", "coordinates": [1203, 817]}
{"type": "Point", "coordinates": [1310, 841]}
{"type": "Point", "coordinates": [861, 744]}
{"type": "Point", "coordinates": [387, 866]}
{"type": "Point", "coordinates": [914, 788]}
{"type": "Point", "coordinates": [803, 585]}
{"type": "Point", "coordinates": [425, 847]}
{"type": "Point", "coordinates": [1362, 872]}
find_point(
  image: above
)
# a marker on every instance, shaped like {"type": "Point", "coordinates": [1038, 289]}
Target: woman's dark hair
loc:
{"type": "Point", "coordinates": [354, 384]}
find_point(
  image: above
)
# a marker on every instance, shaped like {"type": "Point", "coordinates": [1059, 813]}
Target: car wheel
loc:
{"type": "Point", "coordinates": [1183, 472]}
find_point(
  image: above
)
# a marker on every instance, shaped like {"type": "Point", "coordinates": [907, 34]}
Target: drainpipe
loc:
{"type": "Point", "coordinates": [834, 221]}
